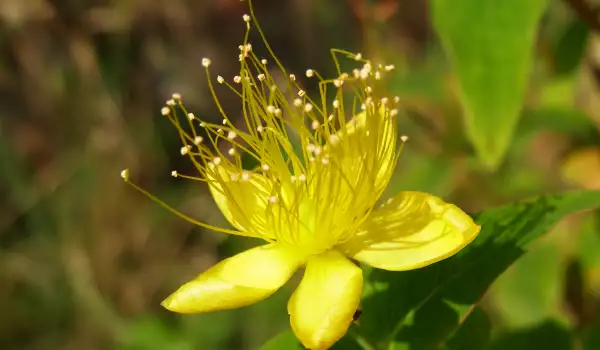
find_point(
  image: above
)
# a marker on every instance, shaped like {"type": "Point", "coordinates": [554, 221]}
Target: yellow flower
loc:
{"type": "Point", "coordinates": [314, 206]}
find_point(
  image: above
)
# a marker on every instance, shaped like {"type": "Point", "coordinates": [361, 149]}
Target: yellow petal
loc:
{"type": "Point", "coordinates": [322, 307]}
{"type": "Point", "coordinates": [237, 281]}
{"type": "Point", "coordinates": [243, 199]}
{"type": "Point", "coordinates": [412, 230]}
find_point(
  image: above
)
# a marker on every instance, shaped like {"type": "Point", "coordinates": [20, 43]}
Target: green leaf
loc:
{"type": "Point", "coordinates": [421, 309]}
{"type": "Point", "coordinates": [490, 44]}
{"type": "Point", "coordinates": [283, 341]}
{"type": "Point", "coordinates": [547, 336]}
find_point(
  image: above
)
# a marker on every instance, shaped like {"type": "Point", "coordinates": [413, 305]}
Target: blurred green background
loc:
{"type": "Point", "coordinates": [85, 260]}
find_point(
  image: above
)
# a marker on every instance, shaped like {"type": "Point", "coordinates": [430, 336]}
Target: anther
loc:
{"type": "Point", "coordinates": [191, 116]}
{"type": "Point", "coordinates": [245, 175]}
{"type": "Point", "coordinates": [292, 77]}
{"type": "Point", "coordinates": [315, 124]}
{"type": "Point", "coordinates": [358, 56]}
{"type": "Point", "coordinates": [232, 135]}
{"type": "Point", "coordinates": [220, 79]}
{"type": "Point", "coordinates": [333, 139]}
{"type": "Point", "coordinates": [246, 18]}
{"type": "Point", "coordinates": [264, 61]}
{"type": "Point", "coordinates": [265, 167]}
{"type": "Point", "coordinates": [404, 138]}
{"type": "Point", "coordinates": [336, 103]}
{"type": "Point", "coordinates": [206, 62]}
{"type": "Point", "coordinates": [368, 89]}
{"type": "Point", "coordinates": [198, 140]}
{"type": "Point", "coordinates": [396, 99]}
{"type": "Point", "coordinates": [277, 112]}
{"type": "Point", "coordinates": [174, 173]}
{"type": "Point", "coordinates": [338, 83]}
{"type": "Point", "coordinates": [394, 112]}
{"type": "Point", "coordinates": [302, 177]}
{"type": "Point", "coordinates": [384, 101]}
{"type": "Point", "coordinates": [261, 77]}
{"type": "Point", "coordinates": [125, 174]}
{"type": "Point", "coordinates": [301, 93]}
{"type": "Point", "coordinates": [231, 151]}
{"type": "Point", "coordinates": [217, 160]}
{"type": "Point", "coordinates": [297, 102]}
{"type": "Point", "coordinates": [260, 128]}
{"type": "Point", "coordinates": [273, 199]}
{"type": "Point", "coordinates": [270, 109]}
{"type": "Point", "coordinates": [165, 111]}
{"type": "Point", "coordinates": [176, 96]}
{"type": "Point", "coordinates": [237, 79]}
{"type": "Point", "coordinates": [185, 149]}
{"type": "Point", "coordinates": [389, 67]}
{"type": "Point", "coordinates": [171, 102]}
{"type": "Point", "coordinates": [325, 160]}
{"type": "Point", "coordinates": [309, 73]}
{"type": "Point", "coordinates": [308, 107]}
{"type": "Point", "coordinates": [224, 121]}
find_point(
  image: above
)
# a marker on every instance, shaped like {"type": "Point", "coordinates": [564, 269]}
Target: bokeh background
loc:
{"type": "Point", "coordinates": [85, 260]}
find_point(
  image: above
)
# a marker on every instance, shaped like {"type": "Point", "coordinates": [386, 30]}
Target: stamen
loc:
{"type": "Point", "coordinates": [245, 175]}
{"type": "Point", "coordinates": [206, 62]}
{"type": "Point", "coordinates": [174, 173]}
{"type": "Point", "coordinates": [165, 111]}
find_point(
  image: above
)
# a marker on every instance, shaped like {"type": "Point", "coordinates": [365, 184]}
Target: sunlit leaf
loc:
{"type": "Point", "coordinates": [420, 309]}
{"type": "Point", "coordinates": [490, 44]}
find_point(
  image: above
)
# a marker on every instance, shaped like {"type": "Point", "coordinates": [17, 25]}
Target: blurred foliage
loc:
{"type": "Point", "coordinates": [85, 261]}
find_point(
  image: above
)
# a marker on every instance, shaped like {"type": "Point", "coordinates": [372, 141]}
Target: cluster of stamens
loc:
{"type": "Point", "coordinates": [274, 115]}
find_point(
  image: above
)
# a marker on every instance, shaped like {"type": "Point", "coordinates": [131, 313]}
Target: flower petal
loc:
{"type": "Point", "coordinates": [322, 307]}
{"type": "Point", "coordinates": [412, 230]}
{"type": "Point", "coordinates": [243, 201]}
{"type": "Point", "coordinates": [237, 281]}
